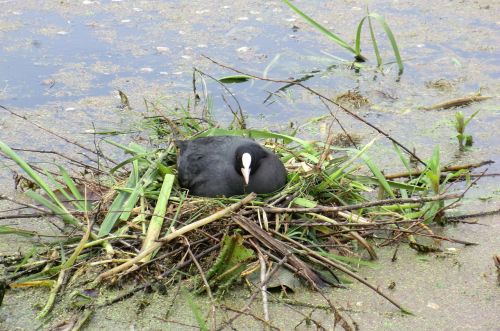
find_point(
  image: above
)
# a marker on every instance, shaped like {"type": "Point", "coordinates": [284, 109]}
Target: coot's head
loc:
{"type": "Point", "coordinates": [247, 160]}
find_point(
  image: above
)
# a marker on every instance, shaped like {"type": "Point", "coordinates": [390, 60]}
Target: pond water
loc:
{"type": "Point", "coordinates": [62, 62]}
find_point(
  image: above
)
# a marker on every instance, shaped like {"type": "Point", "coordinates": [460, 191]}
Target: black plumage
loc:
{"type": "Point", "coordinates": [212, 166]}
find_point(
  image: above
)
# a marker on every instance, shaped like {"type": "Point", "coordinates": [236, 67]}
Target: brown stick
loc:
{"type": "Point", "coordinates": [457, 102]}
{"type": "Point", "coordinates": [481, 214]}
{"type": "Point", "coordinates": [444, 169]}
{"type": "Point", "coordinates": [334, 209]}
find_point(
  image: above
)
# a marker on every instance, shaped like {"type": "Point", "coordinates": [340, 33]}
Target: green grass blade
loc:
{"type": "Point", "coordinates": [402, 157]}
{"type": "Point", "coordinates": [392, 40]}
{"type": "Point", "coordinates": [374, 43]}
{"type": "Point", "coordinates": [74, 190]}
{"type": "Point", "coordinates": [136, 192]}
{"type": "Point", "coordinates": [63, 213]}
{"type": "Point", "coordinates": [131, 148]}
{"type": "Point", "coordinates": [141, 186]}
{"type": "Point", "coordinates": [341, 170]}
{"type": "Point", "coordinates": [389, 34]}
{"type": "Point", "coordinates": [81, 245]}
{"type": "Point", "coordinates": [30, 172]}
{"type": "Point", "coordinates": [339, 41]}
{"type": "Point", "coordinates": [195, 309]}
{"type": "Point", "coordinates": [378, 175]}
{"type": "Point", "coordinates": [129, 160]}
{"type": "Point", "coordinates": [357, 43]}
{"type": "Point", "coordinates": [392, 184]}
{"type": "Point", "coordinates": [62, 190]}
{"type": "Point", "coordinates": [116, 208]}
{"type": "Point", "coordinates": [26, 257]}
{"type": "Point", "coordinates": [471, 117]}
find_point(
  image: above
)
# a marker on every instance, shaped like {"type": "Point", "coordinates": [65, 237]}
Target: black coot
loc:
{"type": "Point", "coordinates": [227, 166]}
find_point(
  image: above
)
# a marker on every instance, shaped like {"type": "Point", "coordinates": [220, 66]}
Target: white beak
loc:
{"type": "Point", "coordinates": [246, 160]}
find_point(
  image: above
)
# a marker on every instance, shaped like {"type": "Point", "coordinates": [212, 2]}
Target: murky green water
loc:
{"type": "Point", "coordinates": [62, 62]}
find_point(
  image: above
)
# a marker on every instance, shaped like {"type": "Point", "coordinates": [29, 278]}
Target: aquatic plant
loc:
{"type": "Point", "coordinates": [356, 49]}
{"type": "Point", "coordinates": [464, 140]}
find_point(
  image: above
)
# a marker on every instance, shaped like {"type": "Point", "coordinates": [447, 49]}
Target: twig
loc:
{"type": "Point", "coordinates": [481, 214]}
{"type": "Point", "coordinates": [272, 243]}
{"type": "Point", "coordinates": [263, 286]}
{"type": "Point", "coordinates": [435, 236]}
{"type": "Point", "coordinates": [83, 319]}
{"type": "Point", "coordinates": [334, 209]}
{"type": "Point", "coordinates": [195, 327]}
{"type": "Point", "coordinates": [62, 155]}
{"type": "Point", "coordinates": [4, 197]}
{"type": "Point", "coordinates": [326, 148]}
{"type": "Point", "coordinates": [444, 169]}
{"type": "Point", "coordinates": [453, 204]}
{"type": "Point", "coordinates": [353, 143]}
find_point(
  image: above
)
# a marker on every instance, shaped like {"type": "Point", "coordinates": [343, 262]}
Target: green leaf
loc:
{"type": "Point", "coordinates": [304, 202]}
{"type": "Point", "coordinates": [378, 175]}
{"type": "Point", "coordinates": [403, 159]}
{"type": "Point", "coordinates": [81, 201]}
{"type": "Point", "coordinates": [234, 79]}
{"type": "Point", "coordinates": [471, 117]}
{"type": "Point", "coordinates": [116, 208]}
{"type": "Point", "coordinates": [339, 41]}
{"type": "Point", "coordinates": [231, 255]}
